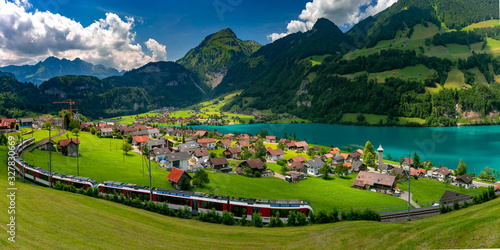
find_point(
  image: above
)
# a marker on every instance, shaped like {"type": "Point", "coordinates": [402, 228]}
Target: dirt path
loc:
{"type": "Point", "coordinates": [404, 196]}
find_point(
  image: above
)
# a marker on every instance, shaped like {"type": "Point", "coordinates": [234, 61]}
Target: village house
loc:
{"type": "Point", "coordinates": [407, 162]}
{"type": "Point", "coordinates": [275, 154]}
{"type": "Point", "coordinates": [127, 131]}
{"type": "Point", "coordinates": [195, 167]}
{"type": "Point", "coordinates": [241, 144]}
{"type": "Point", "coordinates": [140, 141]}
{"type": "Point", "coordinates": [302, 146]}
{"type": "Point", "coordinates": [26, 122]}
{"type": "Point", "coordinates": [294, 176]}
{"type": "Point", "coordinates": [201, 155]}
{"type": "Point", "coordinates": [298, 167]}
{"type": "Point", "coordinates": [47, 146]}
{"type": "Point", "coordinates": [106, 132]}
{"type": "Point", "coordinates": [313, 166]}
{"type": "Point", "coordinates": [153, 133]}
{"type": "Point", "coordinates": [299, 159]}
{"type": "Point", "coordinates": [271, 139]}
{"type": "Point", "coordinates": [358, 166]}
{"type": "Point", "coordinates": [224, 144]}
{"type": "Point", "coordinates": [160, 153]}
{"type": "Point", "coordinates": [375, 181]}
{"type": "Point", "coordinates": [177, 177]}
{"type": "Point", "coordinates": [464, 181]}
{"type": "Point", "coordinates": [69, 147]}
{"type": "Point", "coordinates": [177, 160]}
{"type": "Point", "coordinates": [335, 151]}
{"type": "Point", "coordinates": [188, 147]}
{"type": "Point", "coordinates": [155, 144]}
{"type": "Point", "coordinates": [399, 173]}
{"type": "Point", "coordinates": [234, 153]}
{"type": "Point", "coordinates": [208, 143]}
{"type": "Point", "coordinates": [201, 133]}
{"type": "Point", "coordinates": [254, 164]}
{"type": "Point", "coordinates": [140, 133]}
{"type": "Point", "coordinates": [219, 164]}
{"type": "Point", "coordinates": [337, 160]}
{"type": "Point", "coordinates": [291, 145]}
{"type": "Point", "coordinates": [354, 156]}
{"type": "Point", "coordinates": [327, 157]}
{"type": "Point", "coordinates": [449, 197]}
{"type": "Point", "coordinates": [7, 124]}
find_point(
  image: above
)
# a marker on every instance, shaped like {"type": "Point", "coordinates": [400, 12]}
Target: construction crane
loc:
{"type": "Point", "coordinates": [70, 106]}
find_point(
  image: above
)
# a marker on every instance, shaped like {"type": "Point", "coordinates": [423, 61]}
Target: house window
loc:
{"type": "Point", "coordinates": [176, 164]}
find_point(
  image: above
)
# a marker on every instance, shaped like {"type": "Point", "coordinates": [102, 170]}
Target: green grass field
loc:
{"type": "Point", "coordinates": [49, 219]}
{"type": "Point", "coordinates": [98, 162]}
{"type": "Point", "coordinates": [425, 189]}
{"type": "Point", "coordinates": [417, 72]}
{"type": "Point", "coordinates": [455, 79]}
{"type": "Point", "coordinates": [484, 24]}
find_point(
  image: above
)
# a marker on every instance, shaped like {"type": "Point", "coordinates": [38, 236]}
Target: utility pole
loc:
{"type": "Point", "coordinates": [22, 155]}
{"type": "Point", "coordinates": [50, 160]}
{"type": "Point", "coordinates": [409, 185]}
{"type": "Point", "coordinates": [150, 188]}
{"type": "Point", "coordinates": [123, 147]}
{"type": "Point", "coordinates": [77, 154]}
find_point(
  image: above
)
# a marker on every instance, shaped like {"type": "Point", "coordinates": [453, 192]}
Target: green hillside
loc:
{"type": "Point", "coordinates": [47, 218]}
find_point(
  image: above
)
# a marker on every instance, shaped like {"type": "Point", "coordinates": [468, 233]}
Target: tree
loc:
{"type": "Point", "coordinates": [369, 159]}
{"type": "Point", "coordinates": [213, 154]}
{"type": "Point", "coordinates": [487, 174]}
{"type": "Point", "coordinates": [200, 178]}
{"type": "Point", "coordinates": [129, 138]}
{"type": "Point", "coordinates": [368, 149]}
{"type": "Point", "coordinates": [462, 168]}
{"type": "Point", "coordinates": [248, 172]}
{"type": "Point", "coordinates": [263, 133]}
{"type": "Point", "coordinates": [47, 125]}
{"type": "Point", "coordinates": [429, 165]}
{"type": "Point", "coordinates": [310, 152]}
{"type": "Point", "coordinates": [416, 160]}
{"type": "Point", "coordinates": [246, 154]}
{"type": "Point", "coordinates": [281, 145]}
{"type": "Point", "coordinates": [126, 147]}
{"type": "Point", "coordinates": [325, 170]}
{"type": "Point", "coordinates": [341, 170]}
{"type": "Point", "coordinates": [75, 131]}
{"type": "Point", "coordinates": [284, 169]}
{"type": "Point", "coordinates": [3, 139]}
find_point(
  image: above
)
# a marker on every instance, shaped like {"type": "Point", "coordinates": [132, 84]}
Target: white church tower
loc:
{"type": "Point", "coordinates": [380, 155]}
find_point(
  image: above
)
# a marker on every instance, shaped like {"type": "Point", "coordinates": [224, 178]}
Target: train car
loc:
{"type": "Point", "coordinates": [199, 202]}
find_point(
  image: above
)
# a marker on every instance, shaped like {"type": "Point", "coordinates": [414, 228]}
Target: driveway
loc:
{"type": "Point", "coordinates": [404, 196]}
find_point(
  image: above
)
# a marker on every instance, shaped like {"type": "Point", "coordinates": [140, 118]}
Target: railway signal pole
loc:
{"type": "Point", "coordinates": [50, 159]}
{"type": "Point", "coordinates": [22, 154]}
{"type": "Point", "coordinates": [77, 154]}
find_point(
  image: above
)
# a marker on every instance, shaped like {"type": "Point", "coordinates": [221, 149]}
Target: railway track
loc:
{"type": "Point", "coordinates": [414, 214]}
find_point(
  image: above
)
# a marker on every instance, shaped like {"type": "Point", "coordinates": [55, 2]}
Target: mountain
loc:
{"type": "Point", "coordinates": [167, 83]}
{"type": "Point", "coordinates": [274, 73]}
{"type": "Point", "coordinates": [216, 54]}
{"type": "Point", "coordinates": [53, 67]}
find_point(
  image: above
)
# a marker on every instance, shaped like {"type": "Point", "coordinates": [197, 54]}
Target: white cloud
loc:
{"type": "Point", "coordinates": [31, 36]}
{"type": "Point", "coordinates": [342, 12]}
{"type": "Point", "coordinates": [159, 51]}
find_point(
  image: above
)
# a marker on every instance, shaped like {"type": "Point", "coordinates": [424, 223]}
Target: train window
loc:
{"type": "Point", "coordinates": [178, 201]}
{"type": "Point", "coordinates": [29, 172]}
{"type": "Point", "coordinates": [43, 177]}
{"type": "Point", "coordinates": [78, 185]}
{"type": "Point", "coordinates": [161, 198]}
{"type": "Point", "coordinates": [238, 211]}
{"type": "Point", "coordinates": [210, 205]}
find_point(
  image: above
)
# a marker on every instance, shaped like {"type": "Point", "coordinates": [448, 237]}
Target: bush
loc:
{"type": "Point", "coordinates": [257, 174]}
{"type": "Point", "coordinates": [275, 221]}
{"type": "Point", "coordinates": [456, 206]}
{"type": "Point", "coordinates": [257, 220]}
{"type": "Point", "coordinates": [444, 209]}
{"type": "Point", "coordinates": [136, 203]}
{"type": "Point", "coordinates": [244, 222]}
{"type": "Point", "coordinates": [227, 218]}
{"type": "Point", "coordinates": [281, 162]}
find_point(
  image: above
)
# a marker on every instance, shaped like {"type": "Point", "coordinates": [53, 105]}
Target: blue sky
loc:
{"type": "Point", "coordinates": [127, 34]}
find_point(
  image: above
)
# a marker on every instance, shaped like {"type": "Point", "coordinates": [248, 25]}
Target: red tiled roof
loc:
{"type": "Point", "coordinates": [226, 143]}
{"type": "Point", "coordinates": [344, 155]}
{"type": "Point", "coordinates": [175, 175]}
{"type": "Point", "coordinates": [497, 188]}
{"type": "Point", "coordinates": [142, 138]}
{"type": "Point", "coordinates": [208, 140]}
{"type": "Point", "coordinates": [301, 144]}
{"type": "Point", "coordinates": [66, 142]}
{"type": "Point", "coordinates": [299, 159]}
{"type": "Point", "coordinates": [270, 137]}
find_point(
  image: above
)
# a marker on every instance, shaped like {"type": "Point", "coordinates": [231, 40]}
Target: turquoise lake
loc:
{"type": "Point", "coordinates": [478, 146]}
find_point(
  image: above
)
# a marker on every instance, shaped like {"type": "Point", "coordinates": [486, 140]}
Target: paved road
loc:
{"type": "Point", "coordinates": [404, 196]}
{"type": "Point", "coordinates": [481, 184]}
{"type": "Point", "coordinates": [277, 175]}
